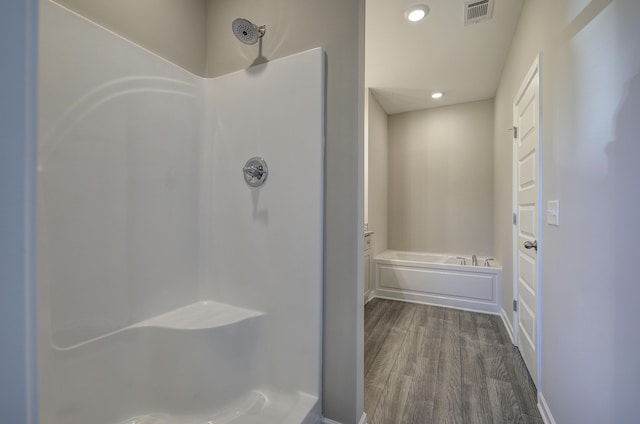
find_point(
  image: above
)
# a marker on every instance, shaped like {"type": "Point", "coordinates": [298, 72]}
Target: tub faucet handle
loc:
{"type": "Point", "coordinates": [486, 261]}
{"type": "Point", "coordinates": [463, 260]}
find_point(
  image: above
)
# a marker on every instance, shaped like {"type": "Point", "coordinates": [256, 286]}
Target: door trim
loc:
{"type": "Point", "coordinates": [534, 71]}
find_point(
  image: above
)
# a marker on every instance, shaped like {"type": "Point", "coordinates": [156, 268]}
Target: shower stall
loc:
{"type": "Point", "coordinates": [180, 235]}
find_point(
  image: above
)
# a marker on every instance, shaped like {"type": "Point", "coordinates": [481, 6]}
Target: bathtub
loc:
{"type": "Point", "coordinates": [438, 279]}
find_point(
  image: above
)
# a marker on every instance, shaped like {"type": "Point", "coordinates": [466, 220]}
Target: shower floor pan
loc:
{"type": "Point", "coordinates": [264, 406]}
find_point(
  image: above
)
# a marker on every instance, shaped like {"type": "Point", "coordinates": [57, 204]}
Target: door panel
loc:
{"type": "Point", "coordinates": [527, 171]}
{"type": "Point", "coordinates": [527, 215]}
{"type": "Point", "coordinates": [527, 268]}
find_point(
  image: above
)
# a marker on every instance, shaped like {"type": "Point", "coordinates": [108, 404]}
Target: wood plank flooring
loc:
{"type": "Point", "coordinates": [427, 364]}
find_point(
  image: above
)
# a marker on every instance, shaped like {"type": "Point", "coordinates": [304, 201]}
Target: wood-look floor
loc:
{"type": "Point", "coordinates": [427, 364]}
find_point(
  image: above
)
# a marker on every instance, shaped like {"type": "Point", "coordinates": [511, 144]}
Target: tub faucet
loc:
{"type": "Point", "coordinates": [486, 262]}
{"type": "Point", "coordinates": [474, 260]}
{"type": "Point", "coordinates": [463, 260]}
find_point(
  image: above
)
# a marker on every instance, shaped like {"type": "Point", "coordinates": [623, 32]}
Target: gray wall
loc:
{"type": "Point", "coordinates": [378, 158]}
{"type": "Point", "coordinates": [173, 29]}
{"type": "Point", "coordinates": [590, 77]}
{"type": "Point", "coordinates": [441, 179]}
{"type": "Point", "coordinates": [18, 35]}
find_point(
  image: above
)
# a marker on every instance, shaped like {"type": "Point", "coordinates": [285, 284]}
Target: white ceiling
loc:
{"type": "Point", "coordinates": [405, 62]}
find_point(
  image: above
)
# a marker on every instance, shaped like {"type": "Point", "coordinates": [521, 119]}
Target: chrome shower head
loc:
{"type": "Point", "coordinates": [247, 32]}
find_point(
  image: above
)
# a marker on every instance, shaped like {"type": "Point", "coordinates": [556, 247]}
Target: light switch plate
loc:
{"type": "Point", "coordinates": [553, 212]}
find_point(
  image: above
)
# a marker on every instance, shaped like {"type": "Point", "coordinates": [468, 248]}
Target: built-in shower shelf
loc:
{"type": "Point", "coordinates": [196, 316]}
{"type": "Point", "coordinates": [200, 315]}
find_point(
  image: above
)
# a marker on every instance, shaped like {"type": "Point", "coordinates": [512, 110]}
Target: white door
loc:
{"type": "Point", "coordinates": [526, 113]}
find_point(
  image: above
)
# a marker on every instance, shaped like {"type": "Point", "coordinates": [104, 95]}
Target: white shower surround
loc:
{"type": "Point", "coordinates": [169, 291]}
{"type": "Point", "coordinates": [439, 279]}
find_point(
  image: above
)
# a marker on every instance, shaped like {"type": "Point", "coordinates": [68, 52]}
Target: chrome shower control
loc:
{"type": "Point", "coordinates": [255, 171]}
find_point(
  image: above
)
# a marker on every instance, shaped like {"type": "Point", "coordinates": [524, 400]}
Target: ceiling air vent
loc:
{"type": "Point", "coordinates": [477, 11]}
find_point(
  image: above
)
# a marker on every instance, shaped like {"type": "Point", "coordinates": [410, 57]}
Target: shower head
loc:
{"type": "Point", "coordinates": [247, 32]}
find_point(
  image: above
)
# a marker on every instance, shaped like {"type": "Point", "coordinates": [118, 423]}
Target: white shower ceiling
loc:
{"type": "Point", "coordinates": [406, 61]}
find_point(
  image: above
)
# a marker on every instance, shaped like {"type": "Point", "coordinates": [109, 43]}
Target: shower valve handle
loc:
{"type": "Point", "coordinates": [254, 171]}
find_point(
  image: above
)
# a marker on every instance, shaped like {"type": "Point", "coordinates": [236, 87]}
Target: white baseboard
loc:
{"type": "Point", "coordinates": [545, 412]}
{"type": "Point", "coordinates": [507, 324]}
{"type": "Point", "coordinates": [369, 296]}
{"type": "Point", "coordinates": [363, 420]}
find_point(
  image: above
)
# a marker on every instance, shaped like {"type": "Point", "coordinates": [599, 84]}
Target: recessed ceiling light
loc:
{"type": "Point", "coordinates": [416, 13]}
{"type": "Point", "coordinates": [437, 95]}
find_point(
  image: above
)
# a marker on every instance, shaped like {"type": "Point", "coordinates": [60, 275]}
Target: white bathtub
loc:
{"type": "Point", "coordinates": [439, 280]}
